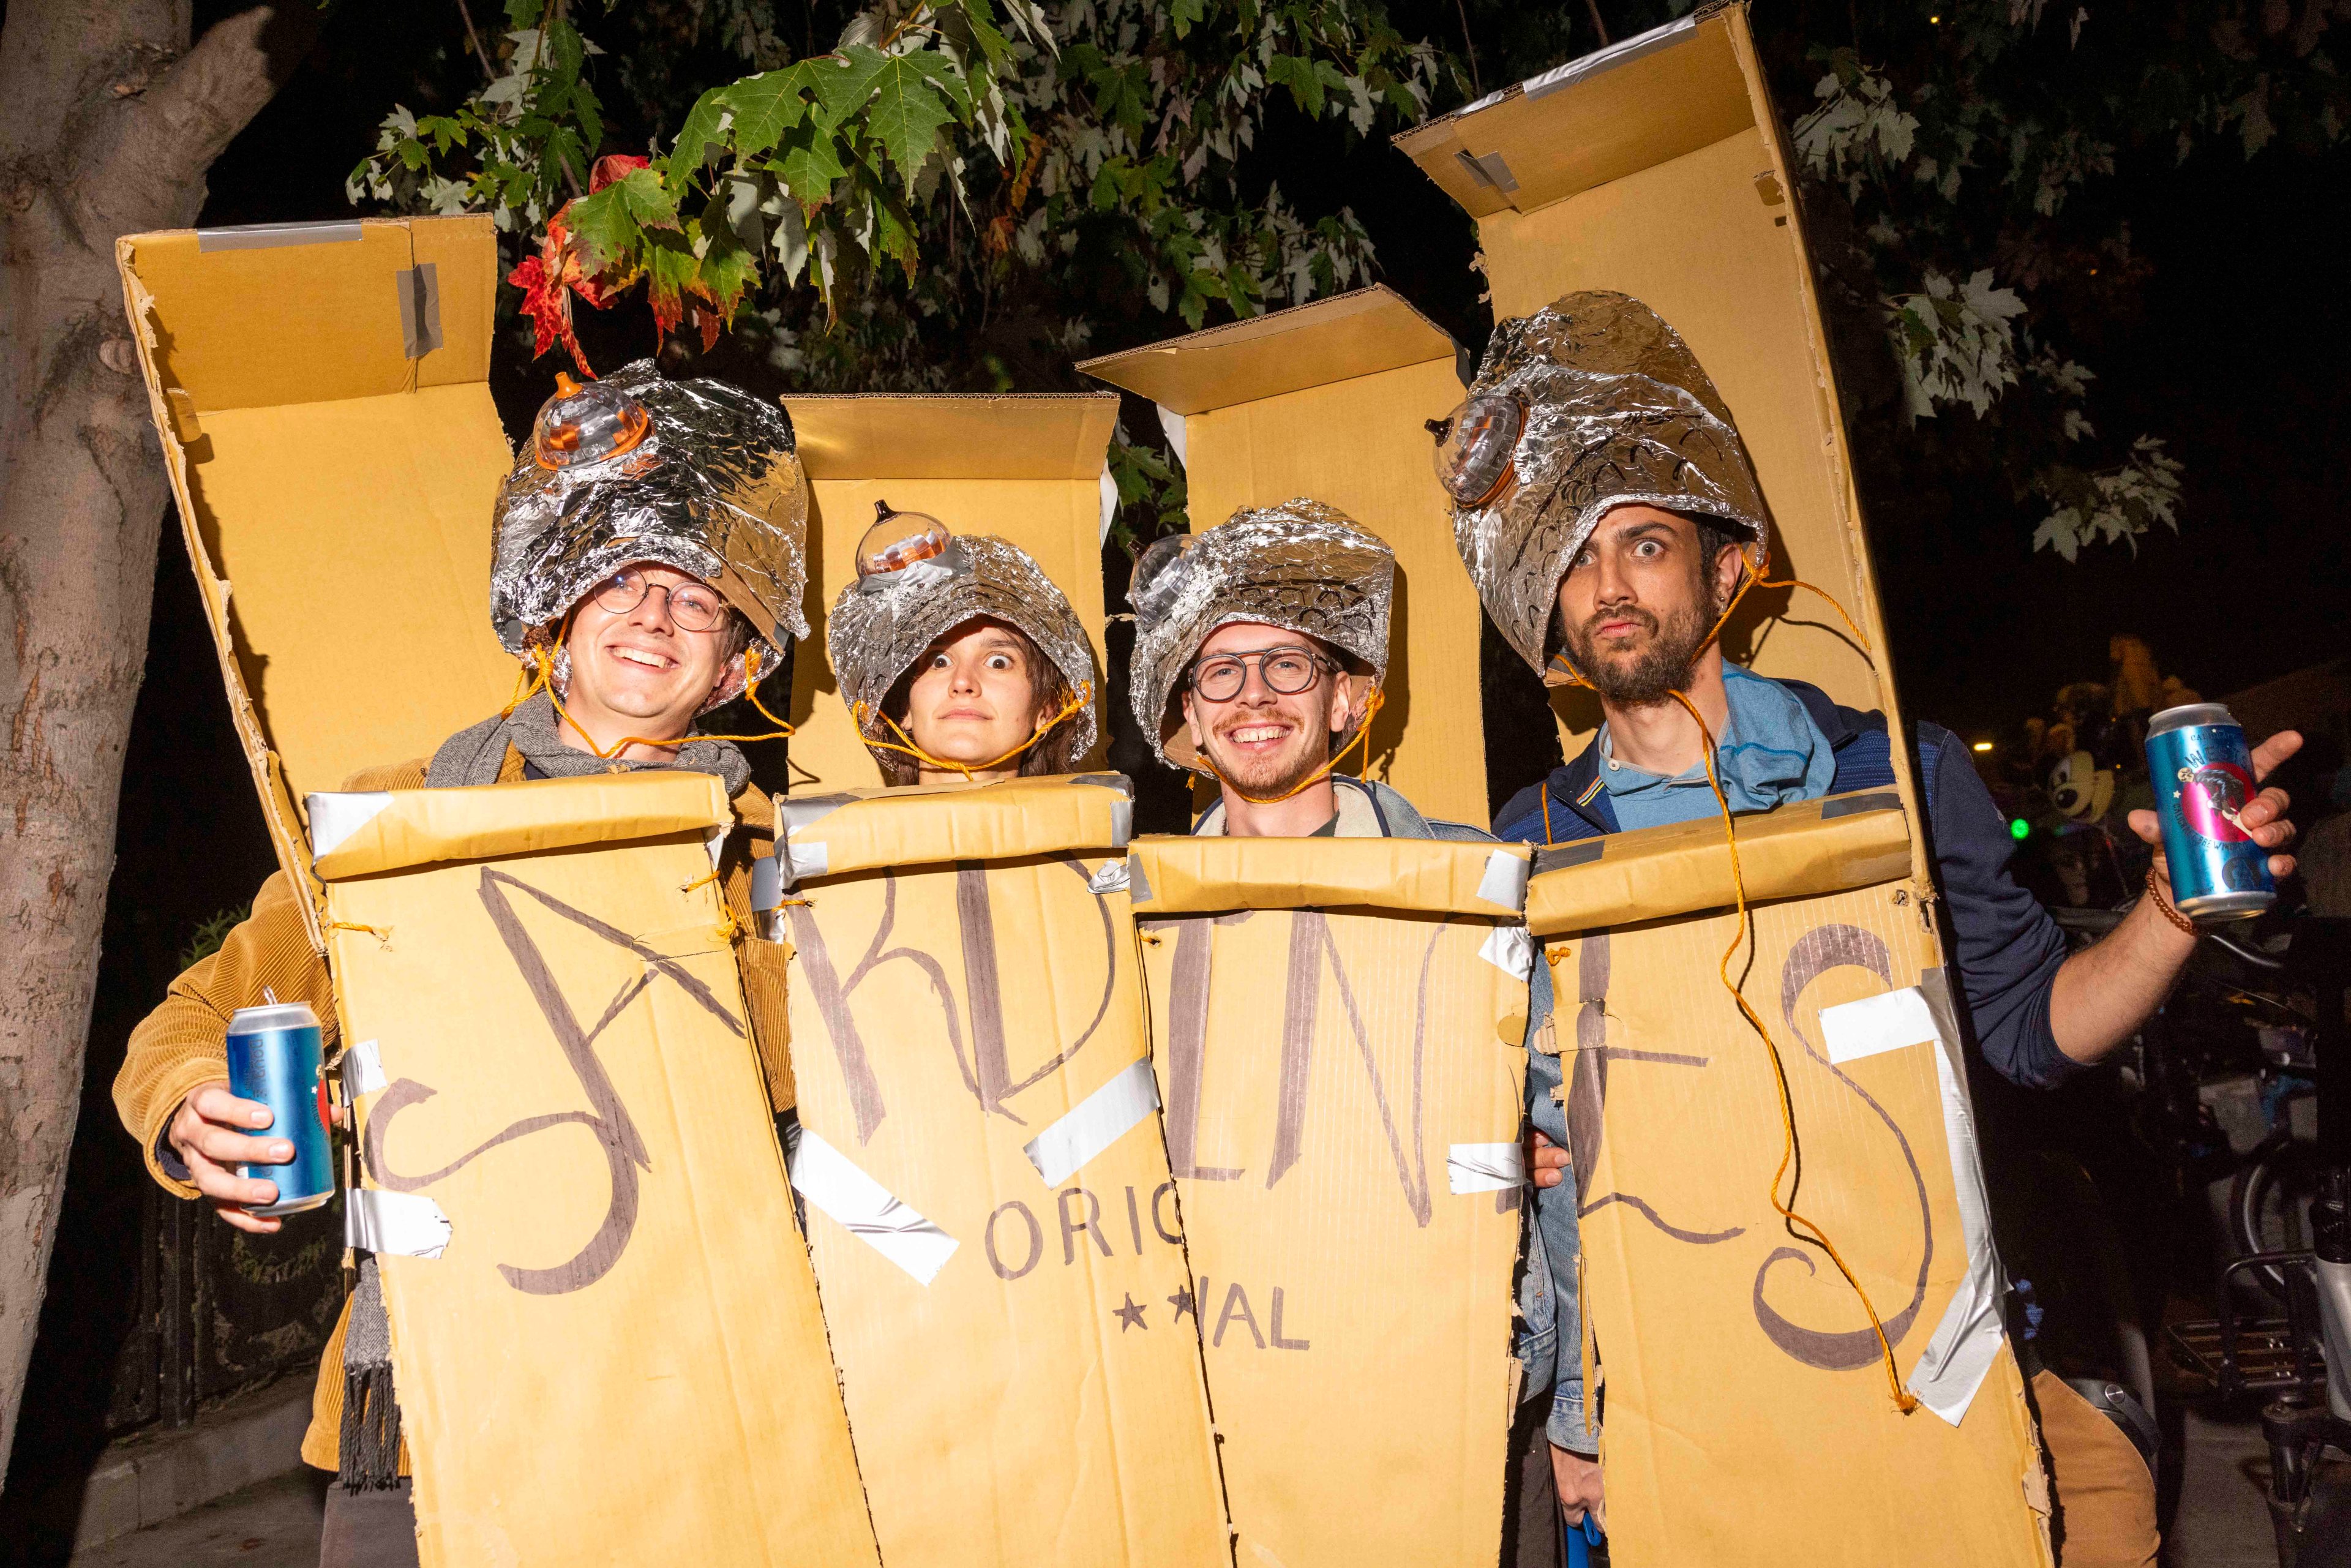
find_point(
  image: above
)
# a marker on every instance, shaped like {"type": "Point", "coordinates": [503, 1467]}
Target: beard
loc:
{"type": "Point", "coordinates": [1659, 663]}
{"type": "Point", "coordinates": [1266, 777]}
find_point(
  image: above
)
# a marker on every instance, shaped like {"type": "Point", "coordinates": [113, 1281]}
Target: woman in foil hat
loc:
{"type": "Point", "coordinates": [649, 560]}
{"type": "Point", "coordinates": [958, 657]}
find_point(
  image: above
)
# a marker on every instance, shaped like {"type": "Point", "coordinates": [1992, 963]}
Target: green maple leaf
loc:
{"type": "Point", "coordinates": [841, 89]}
{"type": "Point", "coordinates": [1183, 14]}
{"type": "Point", "coordinates": [704, 126]}
{"type": "Point", "coordinates": [586, 110]}
{"type": "Point", "coordinates": [604, 229]}
{"type": "Point", "coordinates": [810, 162]}
{"type": "Point", "coordinates": [647, 201]}
{"type": "Point", "coordinates": [727, 270]}
{"type": "Point", "coordinates": [907, 115]}
{"type": "Point", "coordinates": [671, 267]}
{"type": "Point", "coordinates": [768, 105]}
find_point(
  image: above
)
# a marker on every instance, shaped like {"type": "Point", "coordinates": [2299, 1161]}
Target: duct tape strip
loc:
{"type": "Point", "coordinates": [394, 1223]}
{"type": "Point", "coordinates": [363, 1068]}
{"type": "Point", "coordinates": [1505, 882]}
{"type": "Point", "coordinates": [1510, 949]}
{"type": "Point", "coordinates": [1111, 878]}
{"type": "Point", "coordinates": [1122, 821]}
{"type": "Point", "coordinates": [269, 236]}
{"type": "Point", "coordinates": [1967, 1339]}
{"type": "Point", "coordinates": [767, 884]}
{"type": "Point", "coordinates": [1485, 1168]}
{"type": "Point", "coordinates": [868, 1210]}
{"type": "Point", "coordinates": [806, 859]}
{"type": "Point", "coordinates": [1138, 886]}
{"type": "Point", "coordinates": [336, 817]}
{"type": "Point", "coordinates": [419, 289]}
{"type": "Point", "coordinates": [1094, 1123]}
{"type": "Point", "coordinates": [1894, 1021]}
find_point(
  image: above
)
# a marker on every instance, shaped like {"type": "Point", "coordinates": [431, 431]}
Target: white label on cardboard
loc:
{"type": "Point", "coordinates": [1173, 423]}
{"type": "Point", "coordinates": [1967, 1339]}
{"type": "Point", "coordinates": [1485, 1168]}
{"type": "Point", "coordinates": [1505, 882]}
{"type": "Point", "coordinates": [1094, 1123]}
{"type": "Point", "coordinates": [1875, 1024]}
{"type": "Point", "coordinates": [832, 1181]}
{"type": "Point", "coordinates": [335, 818]}
{"type": "Point", "coordinates": [1510, 949]}
{"type": "Point", "coordinates": [399, 1224]}
{"type": "Point", "coordinates": [363, 1068]}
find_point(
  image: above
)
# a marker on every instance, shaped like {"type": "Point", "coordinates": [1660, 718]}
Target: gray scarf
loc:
{"type": "Point", "coordinates": [369, 1459]}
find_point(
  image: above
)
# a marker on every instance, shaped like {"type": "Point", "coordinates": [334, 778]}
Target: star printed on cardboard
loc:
{"type": "Point", "coordinates": [1182, 1301]}
{"type": "Point", "coordinates": [1129, 1316]}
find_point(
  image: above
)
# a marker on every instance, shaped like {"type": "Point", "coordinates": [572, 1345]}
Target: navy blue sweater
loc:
{"type": "Point", "coordinates": [2006, 947]}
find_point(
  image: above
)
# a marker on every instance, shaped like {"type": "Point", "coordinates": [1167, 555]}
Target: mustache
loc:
{"type": "Point", "coordinates": [1641, 618]}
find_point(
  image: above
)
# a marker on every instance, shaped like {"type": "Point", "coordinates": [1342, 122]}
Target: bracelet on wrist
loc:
{"type": "Point", "coordinates": [2163, 904]}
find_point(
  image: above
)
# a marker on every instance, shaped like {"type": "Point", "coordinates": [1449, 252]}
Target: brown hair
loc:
{"type": "Point", "coordinates": [1048, 693]}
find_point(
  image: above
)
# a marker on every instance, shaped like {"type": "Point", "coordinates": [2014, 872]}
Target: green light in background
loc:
{"type": "Point", "coordinates": [2020, 830]}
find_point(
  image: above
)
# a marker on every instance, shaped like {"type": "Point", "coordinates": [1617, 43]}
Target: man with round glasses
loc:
{"type": "Point", "coordinates": [649, 563]}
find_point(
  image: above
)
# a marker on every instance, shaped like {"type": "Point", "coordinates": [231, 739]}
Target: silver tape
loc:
{"type": "Point", "coordinates": [1510, 949]}
{"type": "Point", "coordinates": [269, 236]}
{"type": "Point", "coordinates": [1505, 882]}
{"type": "Point", "coordinates": [807, 859]}
{"type": "Point", "coordinates": [396, 1224]}
{"type": "Point", "coordinates": [1894, 1021]}
{"type": "Point", "coordinates": [1111, 878]}
{"type": "Point", "coordinates": [1485, 1168]}
{"type": "Point", "coordinates": [832, 1182]}
{"type": "Point", "coordinates": [1094, 1123]}
{"type": "Point", "coordinates": [335, 818]}
{"type": "Point", "coordinates": [363, 1068]}
{"type": "Point", "coordinates": [419, 289]}
{"type": "Point", "coordinates": [1138, 886]}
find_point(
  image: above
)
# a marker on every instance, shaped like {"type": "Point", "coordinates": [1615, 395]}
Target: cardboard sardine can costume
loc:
{"type": "Point", "coordinates": [556, 1083]}
{"type": "Point", "coordinates": [1661, 343]}
{"type": "Point", "coordinates": [996, 1233]}
{"type": "Point", "coordinates": [571, 1182]}
{"type": "Point", "coordinates": [1335, 1025]}
{"type": "Point", "coordinates": [1329, 400]}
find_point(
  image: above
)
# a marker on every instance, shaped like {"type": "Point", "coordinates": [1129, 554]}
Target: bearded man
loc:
{"type": "Point", "coordinates": [1607, 511]}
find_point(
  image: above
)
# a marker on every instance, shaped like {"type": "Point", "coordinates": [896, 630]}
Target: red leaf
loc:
{"type": "Point", "coordinates": [613, 166]}
{"type": "Point", "coordinates": [547, 303]}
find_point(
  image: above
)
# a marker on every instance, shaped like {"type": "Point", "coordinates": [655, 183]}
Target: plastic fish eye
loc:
{"type": "Point", "coordinates": [1153, 563]}
{"type": "Point", "coordinates": [583, 424]}
{"type": "Point", "coordinates": [898, 539]}
{"type": "Point", "coordinates": [1474, 448]}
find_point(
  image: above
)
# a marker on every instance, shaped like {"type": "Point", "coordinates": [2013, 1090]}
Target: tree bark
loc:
{"type": "Point", "coordinates": [108, 121]}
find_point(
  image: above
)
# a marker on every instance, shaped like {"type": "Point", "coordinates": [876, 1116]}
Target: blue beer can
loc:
{"type": "Point", "coordinates": [2203, 776]}
{"type": "Point", "coordinates": [273, 1057]}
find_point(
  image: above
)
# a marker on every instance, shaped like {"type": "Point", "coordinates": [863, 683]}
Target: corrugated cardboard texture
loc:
{"type": "Point", "coordinates": [1187, 875]}
{"type": "Point", "coordinates": [1037, 1401]}
{"type": "Point", "coordinates": [1664, 178]}
{"type": "Point", "coordinates": [971, 821]}
{"type": "Point", "coordinates": [1748, 1415]}
{"type": "Point", "coordinates": [1328, 401]}
{"type": "Point", "coordinates": [1028, 469]}
{"type": "Point", "coordinates": [620, 1356]}
{"type": "Point", "coordinates": [418, 827]}
{"type": "Point", "coordinates": [1317, 1066]}
{"type": "Point", "coordinates": [341, 489]}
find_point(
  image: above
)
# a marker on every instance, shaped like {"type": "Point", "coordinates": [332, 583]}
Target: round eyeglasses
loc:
{"type": "Point", "coordinates": [694, 606]}
{"type": "Point", "coordinates": [1288, 671]}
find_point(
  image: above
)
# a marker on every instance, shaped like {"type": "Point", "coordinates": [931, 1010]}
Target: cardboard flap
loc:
{"type": "Point", "coordinates": [1028, 469]}
{"type": "Point", "coordinates": [397, 829]}
{"type": "Point", "coordinates": [1188, 875]}
{"type": "Point", "coordinates": [931, 824]}
{"type": "Point", "coordinates": [1637, 103]}
{"type": "Point", "coordinates": [1798, 850]}
{"type": "Point", "coordinates": [320, 393]}
{"type": "Point", "coordinates": [1360, 333]}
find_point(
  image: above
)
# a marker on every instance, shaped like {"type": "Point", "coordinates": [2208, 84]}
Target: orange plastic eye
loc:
{"type": "Point", "coordinates": [898, 539]}
{"type": "Point", "coordinates": [588, 423]}
{"type": "Point", "coordinates": [1475, 445]}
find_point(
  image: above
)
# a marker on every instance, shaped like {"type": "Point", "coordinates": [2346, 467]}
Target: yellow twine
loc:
{"type": "Point", "coordinates": [380, 933]}
{"type": "Point", "coordinates": [857, 712]}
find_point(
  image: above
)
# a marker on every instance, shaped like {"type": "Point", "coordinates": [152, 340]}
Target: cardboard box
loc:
{"type": "Point", "coordinates": [1343, 1087]}
{"type": "Point", "coordinates": [1330, 400]}
{"type": "Point", "coordinates": [321, 394]}
{"type": "Point", "coordinates": [1030, 469]}
{"type": "Point", "coordinates": [605, 1330]}
{"type": "Point", "coordinates": [994, 1226]}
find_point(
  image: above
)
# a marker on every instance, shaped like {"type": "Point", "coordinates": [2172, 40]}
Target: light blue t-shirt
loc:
{"type": "Point", "coordinates": [1770, 751]}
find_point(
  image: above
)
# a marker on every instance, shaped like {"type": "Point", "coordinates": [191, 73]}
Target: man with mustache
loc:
{"type": "Point", "coordinates": [1607, 507]}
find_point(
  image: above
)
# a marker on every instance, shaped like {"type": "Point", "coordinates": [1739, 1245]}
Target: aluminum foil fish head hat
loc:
{"type": "Point", "coordinates": [916, 581]}
{"type": "Point", "coordinates": [1591, 403]}
{"type": "Point", "coordinates": [1302, 566]}
{"type": "Point", "coordinates": [695, 475]}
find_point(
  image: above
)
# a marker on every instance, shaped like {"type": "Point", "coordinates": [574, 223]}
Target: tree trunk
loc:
{"type": "Point", "coordinates": [109, 121]}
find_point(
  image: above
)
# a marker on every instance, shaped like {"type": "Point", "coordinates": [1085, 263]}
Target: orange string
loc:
{"type": "Point", "coordinates": [857, 716]}
{"type": "Point", "coordinates": [1372, 705]}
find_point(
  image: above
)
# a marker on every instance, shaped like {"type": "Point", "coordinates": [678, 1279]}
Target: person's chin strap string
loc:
{"type": "Point", "coordinates": [905, 745]}
{"type": "Point", "coordinates": [1743, 933]}
{"type": "Point", "coordinates": [529, 685]}
{"type": "Point", "coordinates": [1372, 705]}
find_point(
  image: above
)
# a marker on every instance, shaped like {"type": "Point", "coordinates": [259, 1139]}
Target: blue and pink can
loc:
{"type": "Point", "coordinates": [273, 1057]}
{"type": "Point", "coordinates": [2203, 771]}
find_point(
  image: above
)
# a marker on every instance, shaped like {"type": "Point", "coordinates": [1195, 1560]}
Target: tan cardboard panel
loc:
{"type": "Point", "coordinates": [1187, 875]}
{"type": "Point", "coordinates": [942, 823]}
{"type": "Point", "coordinates": [1358, 333]}
{"type": "Point", "coordinates": [407, 828]}
{"type": "Point", "coordinates": [1792, 852]}
{"type": "Point", "coordinates": [890, 435]}
{"type": "Point", "coordinates": [334, 495]}
{"type": "Point", "coordinates": [1354, 1307]}
{"type": "Point", "coordinates": [1644, 102]}
{"type": "Point", "coordinates": [1032, 1397]}
{"type": "Point", "coordinates": [618, 1357]}
{"type": "Point", "coordinates": [1027, 469]}
{"type": "Point", "coordinates": [1749, 1420]}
